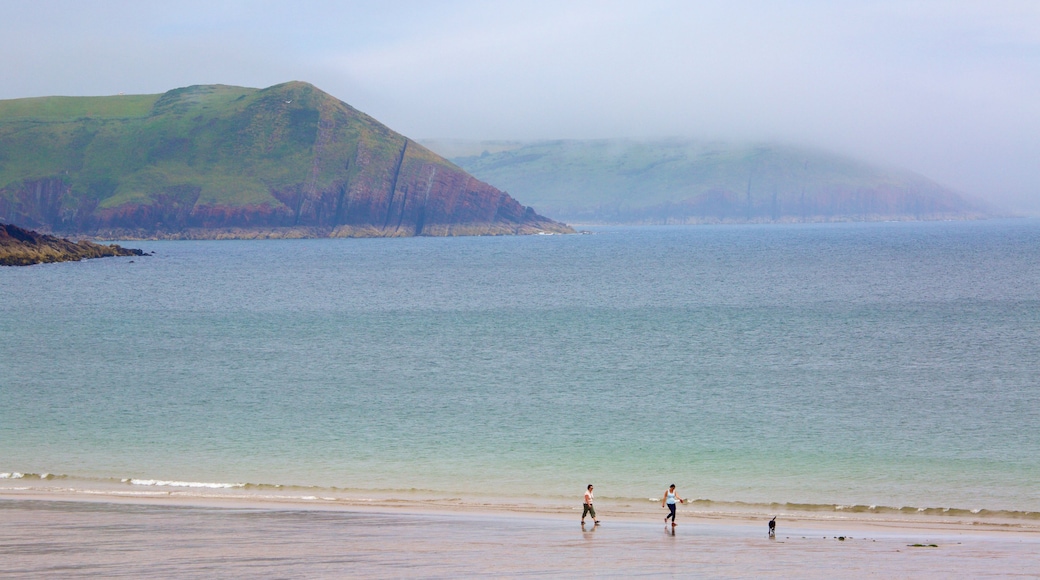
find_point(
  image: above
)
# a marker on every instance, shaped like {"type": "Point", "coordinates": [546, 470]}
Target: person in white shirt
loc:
{"type": "Point", "coordinates": [588, 507]}
{"type": "Point", "coordinates": [669, 500]}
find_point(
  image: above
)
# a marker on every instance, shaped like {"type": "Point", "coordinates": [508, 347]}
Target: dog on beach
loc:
{"type": "Point", "coordinates": [772, 527]}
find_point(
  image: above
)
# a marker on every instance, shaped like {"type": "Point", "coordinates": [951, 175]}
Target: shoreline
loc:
{"type": "Point", "coordinates": [521, 502]}
{"type": "Point", "coordinates": [836, 522]}
{"type": "Point", "coordinates": [45, 534]}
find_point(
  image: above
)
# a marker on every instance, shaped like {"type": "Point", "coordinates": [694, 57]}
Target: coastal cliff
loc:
{"type": "Point", "coordinates": [19, 247]}
{"type": "Point", "coordinates": [216, 161]}
{"type": "Point", "coordinates": [677, 181]}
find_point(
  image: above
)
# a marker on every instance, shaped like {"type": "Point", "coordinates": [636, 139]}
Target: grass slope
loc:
{"type": "Point", "coordinates": [234, 144]}
{"type": "Point", "coordinates": [65, 108]}
{"type": "Point", "coordinates": [678, 181]}
{"type": "Point", "coordinates": [207, 145]}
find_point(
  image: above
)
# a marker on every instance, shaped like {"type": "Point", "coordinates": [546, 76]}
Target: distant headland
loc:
{"type": "Point", "coordinates": [20, 247]}
{"type": "Point", "coordinates": [680, 181]}
{"type": "Point", "coordinates": [216, 161]}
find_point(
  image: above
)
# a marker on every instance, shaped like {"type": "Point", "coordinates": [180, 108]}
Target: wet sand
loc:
{"type": "Point", "coordinates": [135, 537]}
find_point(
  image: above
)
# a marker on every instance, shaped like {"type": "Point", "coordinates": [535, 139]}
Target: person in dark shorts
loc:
{"type": "Point", "coordinates": [588, 509]}
{"type": "Point", "coordinates": [669, 500]}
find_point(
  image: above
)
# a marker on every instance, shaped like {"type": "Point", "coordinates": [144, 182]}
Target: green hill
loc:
{"type": "Point", "coordinates": [223, 161]}
{"type": "Point", "coordinates": [679, 181]}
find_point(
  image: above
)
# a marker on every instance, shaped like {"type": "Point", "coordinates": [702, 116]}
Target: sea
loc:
{"type": "Point", "coordinates": [857, 368]}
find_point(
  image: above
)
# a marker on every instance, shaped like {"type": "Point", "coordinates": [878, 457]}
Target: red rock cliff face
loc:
{"type": "Point", "coordinates": [313, 166]}
{"type": "Point", "coordinates": [39, 202]}
{"type": "Point", "coordinates": [405, 195]}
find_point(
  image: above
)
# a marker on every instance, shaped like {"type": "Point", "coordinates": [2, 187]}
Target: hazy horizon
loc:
{"type": "Point", "coordinates": [946, 89]}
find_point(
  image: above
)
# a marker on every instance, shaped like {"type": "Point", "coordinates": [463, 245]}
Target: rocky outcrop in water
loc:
{"type": "Point", "coordinates": [19, 247]}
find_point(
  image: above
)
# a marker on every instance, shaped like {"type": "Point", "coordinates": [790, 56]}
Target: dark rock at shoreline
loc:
{"type": "Point", "coordinates": [20, 247]}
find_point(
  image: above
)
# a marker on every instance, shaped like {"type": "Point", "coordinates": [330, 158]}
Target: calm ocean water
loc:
{"type": "Point", "coordinates": [890, 365]}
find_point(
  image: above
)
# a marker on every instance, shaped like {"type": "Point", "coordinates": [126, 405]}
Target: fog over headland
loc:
{"type": "Point", "coordinates": [949, 89]}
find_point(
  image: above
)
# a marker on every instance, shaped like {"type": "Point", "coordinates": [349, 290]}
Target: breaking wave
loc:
{"type": "Point", "coordinates": [166, 483]}
{"type": "Point", "coordinates": [791, 507]}
{"type": "Point", "coordinates": [31, 476]}
{"type": "Point", "coordinates": [311, 493]}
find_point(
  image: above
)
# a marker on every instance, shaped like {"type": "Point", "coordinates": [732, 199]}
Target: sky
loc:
{"type": "Point", "coordinates": [949, 89]}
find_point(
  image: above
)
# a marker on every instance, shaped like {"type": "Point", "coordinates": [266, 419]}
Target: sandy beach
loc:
{"type": "Point", "coordinates": [71, 535]}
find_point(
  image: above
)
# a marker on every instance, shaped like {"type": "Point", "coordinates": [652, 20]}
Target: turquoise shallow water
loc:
{"type": "Point", "coordinates": [859, 364]}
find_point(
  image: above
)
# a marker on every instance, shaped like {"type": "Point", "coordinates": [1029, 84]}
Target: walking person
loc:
{"type": "Point", "coordinates": [669, 500]}
{"type": "Point", "coordinates": [588, 509]}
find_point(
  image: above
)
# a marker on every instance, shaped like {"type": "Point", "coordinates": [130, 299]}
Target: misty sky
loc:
{"type": "Point", "coordinates": [949, 89]}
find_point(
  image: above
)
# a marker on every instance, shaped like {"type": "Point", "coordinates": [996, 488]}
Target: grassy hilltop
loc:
{"type": "Point", "coordinates": [682, 181]}
{"type": "Point", "coordinates": [223, 161]}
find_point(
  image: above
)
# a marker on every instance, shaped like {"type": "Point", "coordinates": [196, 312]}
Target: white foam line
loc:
{"type": "Point", "coordinates": [164, 483]}
{"type": "Point", "coordinates": [122, 493]}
